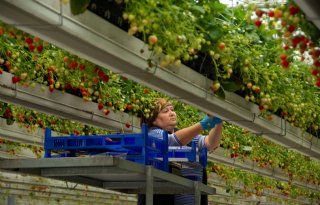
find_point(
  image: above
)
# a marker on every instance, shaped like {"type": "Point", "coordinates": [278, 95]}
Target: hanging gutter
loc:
{"type": "Point", "coordinates": [102, 43]}
{"type": "Point", "coordinates": [311, 9]}
{"type": "Point", "coordinates": [251, 166]}
{"type": "Point", "coordinates": [64, 105]}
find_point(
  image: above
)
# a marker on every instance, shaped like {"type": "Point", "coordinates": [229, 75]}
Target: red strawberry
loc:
{"type": "Point", "coordinates": [318, 83]}
{"type": "Point", "coordinates": [284, 114]}
{"type": "Point", "coordinates": [293, 9]}
{"type": "Point", "coordinates": [104, 78]}
{"type": "Point", "coordinates": [82, 67]}
{"type": "Point", "coordinates": [129, 107]}
{"type": "Point", "coordinates": [285, 63]}
{"type": "Point", "coordinates": [9, 53]}
{"type": "Point", "coordinates": [51, 69]}
{"type": "Point", "coordinates": [8, 65]}
{"type": "Point", "coordinates": [40, 48]}
{"type": "Point", "coordinates": [316, 63]}
{"type": "Point", "coordinates": [51, 88]}
{"type": "Point", "coordinates": [258, 23]}
{"type": "Point", "coordinates": [106, 111]}
{"type": "Point", "coordinates": [29, 40]}
{"type": "Point", "coordinates": [314, 72]}
{"type": "Point", "coordinates": [271, 13]}
{"type": "Point", "coordinates": [100, 106]}
{"type": "Point", "coordinates": [291, 28]}
{"type": "Point", "coordinates": [31, 47]}
{"type": "Point", "coordinates": [127, 124]}
{"type": "Point", "coordinates": [15, 79]}
{"type": "Point", "coordinates": [283, 56]}
{"type": "Point", "coordinates": [146, 91]}
{"type": "Point", "coordinates": [73, 65]}
{"type": "Point", "coordinates": [1, 71]}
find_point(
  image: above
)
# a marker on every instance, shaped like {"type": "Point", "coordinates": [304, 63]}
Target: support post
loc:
{"type": "Point", "coordinates": [149, 185]}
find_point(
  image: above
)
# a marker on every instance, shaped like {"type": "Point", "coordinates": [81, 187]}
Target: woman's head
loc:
{"type": "Point", "coordinates": [163, 115]}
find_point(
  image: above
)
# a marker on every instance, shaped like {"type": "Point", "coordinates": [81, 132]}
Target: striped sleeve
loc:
{"type": "Point", "coordinates": [172, 138]}
{"type": "Point", "coordinates": [200, 140]}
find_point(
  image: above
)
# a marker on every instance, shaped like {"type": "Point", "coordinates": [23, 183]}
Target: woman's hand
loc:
{"type": "Point", "coordinates": [209, 122]}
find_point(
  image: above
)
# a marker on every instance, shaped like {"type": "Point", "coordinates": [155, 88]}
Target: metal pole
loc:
{"type": "Point", "coordinates": [197, 194]}
{"type": "Point", "coordinates": [11, 200]}
{"type": "Point", "coordinates": [149, 185]}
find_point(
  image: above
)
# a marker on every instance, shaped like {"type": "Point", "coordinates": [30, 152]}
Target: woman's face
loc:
{"type": "Point", "coordinates": [166, 119]}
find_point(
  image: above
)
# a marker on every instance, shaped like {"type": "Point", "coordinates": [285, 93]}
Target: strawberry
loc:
{"type": "Point", "coordinates": [291, 28]}
{"type": "Point", "coordinates": [234, 155]}
{"type": "Point", "coordinates": [293, 9]}
{"type": "Point", "coordinates": [314, 72]}
{"type": "Point", "coordinates": [50, 69]}
{"type": "Point", "coordinates": [284, 114]}
{"type": "Point", "coordinates": [15, 79]}
{"type": "Point", "coordinates": [277, 13]}
{"type": "Point", "coordinates": [82, 67]}
{"type": "Point", "coordinates": [221, 45]}
{"type": "Point", "coordinates": [127, 124]}
{"type": "Point", "coordinates": [215, 86]}
{"type": "Point", "coordinates": [40, 48]}
{"type": "Point", "coordinates": [285, 47]}
{"type": "Point", "coordinates": [51, 88]}
{"type": "Point", "coordinates": [152, 39]}
{"type": "Point", "coordinates": [8, 53]}
{"type": "Point", "coordinates": [316, 63]}
{"type": "Point", "coordinates": [1, 71]}
{"type": "Point", "coordinates": [66, 59]}
{"type": "Point", "coordinates": [259, 12]}
{"type": "Point", "coordinates": [73, 65]}
{"type": "Point", "coordinates": [129, 107]}
{"type": "Point", "coordinates": [29, 41]}
{"type": "Point", "coordinates": [318, 83]}
{"type": "Point", "coordinates": [146, 91]}
{"type": "Point", "coordinates": [283, 56]}
{"type": "Point", "coordinates": [31, 47]}
{"type": "Point", "coordinates": [271, 13]}
{"type": "Point", "coordinates": [100, 106]}
{"type": "Point", "coordinates": [258, 23]}
{"type": "Point", "coordinates": [285, 63]}
{"type": "Point", "coordinates": [106, 111]}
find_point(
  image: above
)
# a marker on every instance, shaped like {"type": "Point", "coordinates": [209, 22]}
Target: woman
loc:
{"type": "Point", "coordinates": [163, 118]}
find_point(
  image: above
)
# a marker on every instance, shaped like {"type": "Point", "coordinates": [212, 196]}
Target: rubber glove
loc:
{"type": "Point", "coordinates": [209, 122]}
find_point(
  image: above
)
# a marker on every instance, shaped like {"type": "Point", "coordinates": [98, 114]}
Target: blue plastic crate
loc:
{"type": "Point", "coordinates": [139, 147]}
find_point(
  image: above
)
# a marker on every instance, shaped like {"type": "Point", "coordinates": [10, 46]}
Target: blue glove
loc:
{"type": "Point", "coordinates": [209, 122]}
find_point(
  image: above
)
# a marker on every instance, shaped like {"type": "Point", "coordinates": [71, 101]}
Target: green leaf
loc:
{"type": "Point", "coordinates": [230, 86]}
{"type": "Point", "coordinates": [198, 8]}
{"type": "Point", "coordinates": [215, 34]}
{"type": "Point", "coordinates": [10, 121]}
{"type": "Point", "coordinates": [220, 93]}
{"type": "Point", "coordinates": [78, 6]}
{"type": "Point", "coordinates": [3, 107]}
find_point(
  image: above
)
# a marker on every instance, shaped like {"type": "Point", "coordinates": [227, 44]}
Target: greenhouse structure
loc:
{"type": "Point", "coordinates": [90, 71]}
